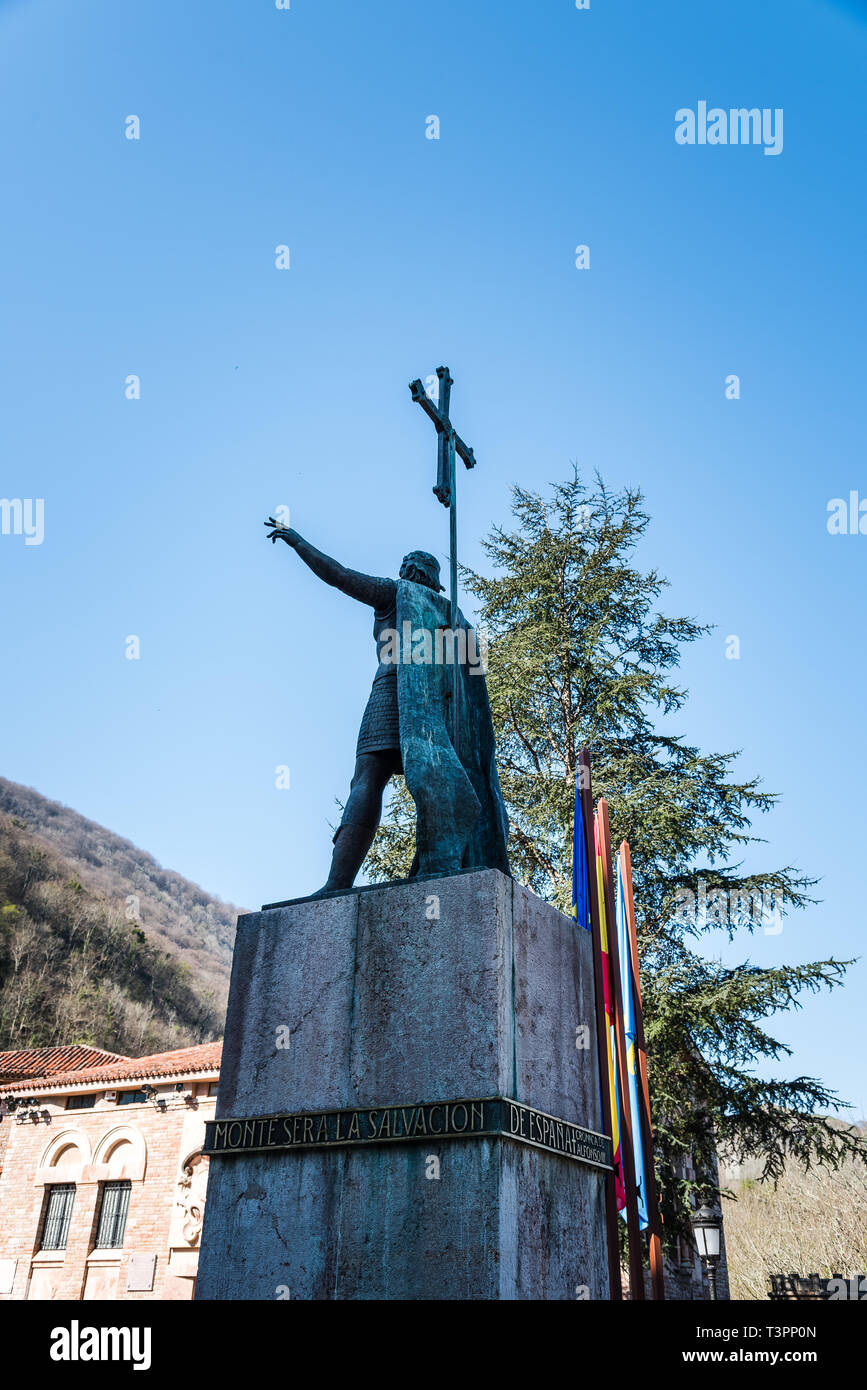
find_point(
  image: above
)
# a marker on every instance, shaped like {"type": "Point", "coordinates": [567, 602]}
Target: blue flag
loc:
{"type": "Point", "coordinates": [580, 885]}
{"type": "Point", "coordinates": [629, 1027]}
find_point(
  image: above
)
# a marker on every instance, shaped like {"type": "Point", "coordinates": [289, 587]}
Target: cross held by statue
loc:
{"type": "Point", "coordinates": [449, 446]}
{"type": "Point", "coordinates": [448, 440]}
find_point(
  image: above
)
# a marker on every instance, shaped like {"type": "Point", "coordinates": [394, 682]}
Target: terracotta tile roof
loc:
{"type": "Point", "coordinates": [183, 1062]}
{"type": "Point", "coordinates": [47, 1061]}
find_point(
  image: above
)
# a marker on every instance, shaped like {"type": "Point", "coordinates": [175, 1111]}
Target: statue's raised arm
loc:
{"type": "Point", "coordinates": [367, 588]}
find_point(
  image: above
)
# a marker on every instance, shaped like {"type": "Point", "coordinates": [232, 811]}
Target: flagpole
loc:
{"type": "Point", "coordinates": [657, 1274]}
{"type": "Point", "coordinates": [636, 1262]}
{"type": "Point", "coordinates": [612, 1226]}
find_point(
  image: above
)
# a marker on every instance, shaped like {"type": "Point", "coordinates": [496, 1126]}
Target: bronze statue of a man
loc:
{"type": "Point", "coordinates": [406, 726]}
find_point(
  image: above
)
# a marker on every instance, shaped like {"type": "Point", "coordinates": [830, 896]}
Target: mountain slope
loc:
{"type": "Point", "coordinates": [98, 943]}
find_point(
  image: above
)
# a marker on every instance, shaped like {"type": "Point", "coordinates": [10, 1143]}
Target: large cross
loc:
{"type": "Point", "coordinates": [449, 445]}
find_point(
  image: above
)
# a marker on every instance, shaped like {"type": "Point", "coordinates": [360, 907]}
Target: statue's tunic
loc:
{"type": "Point", "coordinates": [380, 726]}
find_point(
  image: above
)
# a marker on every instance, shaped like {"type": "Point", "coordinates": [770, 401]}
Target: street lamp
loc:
{"type": "Point", "coordinates": [707, 1228]}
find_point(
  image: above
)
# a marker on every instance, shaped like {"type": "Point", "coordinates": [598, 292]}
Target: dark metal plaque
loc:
{"type": "Point", "coordinates": [490, 1117]}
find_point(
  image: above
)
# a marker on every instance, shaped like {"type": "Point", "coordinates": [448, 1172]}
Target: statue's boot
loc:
{"type": "Point", "coordinates": [350, 850]}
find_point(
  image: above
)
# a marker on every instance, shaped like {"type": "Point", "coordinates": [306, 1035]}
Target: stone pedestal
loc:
{"type": "Point", "coordinates": [391, 1026]}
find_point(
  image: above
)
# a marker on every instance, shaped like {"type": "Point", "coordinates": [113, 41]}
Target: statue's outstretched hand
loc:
{"type": "Point", "coordinates": [279, 532]}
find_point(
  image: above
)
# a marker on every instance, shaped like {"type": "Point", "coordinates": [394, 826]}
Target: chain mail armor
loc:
{"type": "Point", "coordinates": [380, 730]}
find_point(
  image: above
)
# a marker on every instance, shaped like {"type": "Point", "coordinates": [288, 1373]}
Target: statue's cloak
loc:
{"type": "Point", "coordinates": [461, 818]}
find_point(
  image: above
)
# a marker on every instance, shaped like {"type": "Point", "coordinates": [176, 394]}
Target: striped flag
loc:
{"type": "Point", "coordinates": [630, 1028]}
{"type": "Point", "coordinates": [608, 984]}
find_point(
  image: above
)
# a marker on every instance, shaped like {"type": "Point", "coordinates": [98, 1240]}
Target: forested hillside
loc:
{"type": "Point", "coordinates": [98, 944]}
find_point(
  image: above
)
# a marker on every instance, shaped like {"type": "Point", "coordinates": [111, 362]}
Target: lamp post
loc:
{"type": "Point", "coordinates": [707, 1228]}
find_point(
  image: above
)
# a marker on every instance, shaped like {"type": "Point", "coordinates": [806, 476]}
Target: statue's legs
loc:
{"type": "Point", "coordinates": [360, 818]}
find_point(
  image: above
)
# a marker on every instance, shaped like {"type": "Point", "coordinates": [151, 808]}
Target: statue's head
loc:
{"type": "Point", "coordinates": [421, 568]}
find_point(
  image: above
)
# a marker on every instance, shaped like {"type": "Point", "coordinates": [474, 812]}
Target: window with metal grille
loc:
{"type": "Point", "coordinates": [80, 1102]}
{"type": "Point", "coordinates": [131, 1097]}
{"type": "Point", "coordinates": [58, 1214]}
{"type": "Point", "coordinates": [112, 1215]}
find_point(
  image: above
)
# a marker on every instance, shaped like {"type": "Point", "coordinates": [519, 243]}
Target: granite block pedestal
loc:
{"type": "Point", "coordinates": [364, 1145]}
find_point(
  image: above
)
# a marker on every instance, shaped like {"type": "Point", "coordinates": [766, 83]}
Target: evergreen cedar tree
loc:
{"type": "Point", "coordinates": [580, 655]}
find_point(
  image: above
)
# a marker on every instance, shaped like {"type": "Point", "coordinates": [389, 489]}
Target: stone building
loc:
{"type": "Point", "coordinates": [102, 1186]}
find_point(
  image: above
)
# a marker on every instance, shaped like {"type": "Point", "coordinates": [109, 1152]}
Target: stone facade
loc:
{"type": "Point", "coordinates": [76, 1128]}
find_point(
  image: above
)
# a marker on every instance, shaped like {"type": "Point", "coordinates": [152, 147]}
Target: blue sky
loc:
{"type": "Point", "coordinates": [261, 387]}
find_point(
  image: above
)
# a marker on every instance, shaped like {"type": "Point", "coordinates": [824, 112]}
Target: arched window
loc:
{"type": "Point", "coordinates": [121, 1154]}
{"type": "Point", "coordinates": [120, 1158]}
{"type": "Point", "coordinates": [64, 1157]}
